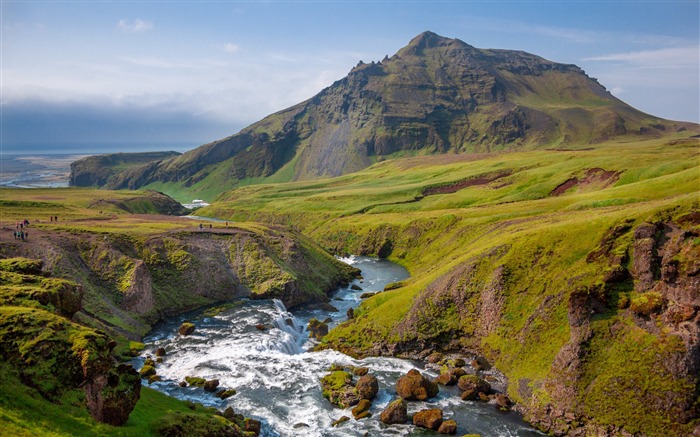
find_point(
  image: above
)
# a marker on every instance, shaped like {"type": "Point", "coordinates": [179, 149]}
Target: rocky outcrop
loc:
{"type": "Point", "coordinates": [339, 389]}
{"type": "Point", "coordinates": [54, 355]}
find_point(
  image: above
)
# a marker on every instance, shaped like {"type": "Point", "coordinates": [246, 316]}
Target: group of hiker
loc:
{"type": "Point", "coordinates": [201, 226]}
{"type": "Point", "coordinates": [20, 232]}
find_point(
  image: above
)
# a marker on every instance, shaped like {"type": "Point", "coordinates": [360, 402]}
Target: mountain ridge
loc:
{"type": "Point", "coordinates": [435, 95]}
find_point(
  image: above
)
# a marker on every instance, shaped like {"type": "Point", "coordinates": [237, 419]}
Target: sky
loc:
{"type": "Point", "coordinates": [109, 76]}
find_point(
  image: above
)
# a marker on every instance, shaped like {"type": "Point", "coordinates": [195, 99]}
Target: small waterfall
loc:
{"type": "Point", "coordinates": [291, 338]}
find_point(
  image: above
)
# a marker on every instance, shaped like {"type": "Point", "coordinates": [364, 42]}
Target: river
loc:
{"type": "Point", "coordinates": [277, 377]}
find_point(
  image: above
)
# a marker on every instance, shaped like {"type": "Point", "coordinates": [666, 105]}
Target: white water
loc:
{"type": "Point", "coordinates": [278, 380]}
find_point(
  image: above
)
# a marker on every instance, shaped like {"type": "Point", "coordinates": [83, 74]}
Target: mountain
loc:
{"type": "Point", "coordinates": [436, 95]}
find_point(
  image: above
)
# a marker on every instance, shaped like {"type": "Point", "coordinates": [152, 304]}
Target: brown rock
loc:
{"type": "Point", "coordinates": [182, 384]}
{"type": "Point", "coordinates": [160, 352]}
{"type": "Point", "coordinates": [362, 407]}
{"type": "Point", "coordinates": [252, 425]}
{"type": "Point", "coordinates": [340, 421]}
{"type": "Point", "coordinates": [414, 386]}
{"type": "Point", "coordinates": [367, 387]}
{"type": "Point", "coordinates": [111, 397]}
{"type": "Point", "coordinates": [445, 378]}
{"type": "Point", "coordinates": [435, 357]}
{"type": "Point", "coordinates": [186, 328]}
{"type": "Point", "coordinates": [261, 327]}
{"type": "Point", "coordinates": [430, 418]}
{"type": "Point", "coordinates": [503, 401]}
{"type": "Point", "coordinates": [395, 412]}
{"type": "Point", "coordinates": [350, 313]}
{"type": "Point", "coordinates": [317, 329]}
{"type": "Point", "coordinates": [448, 427]}
{"type": "Point", "coordinates": [471, 386]}
{"type": "Point", "coordinates": [211, 385]}
{"type": "Point", "coordinates": [360, 371]}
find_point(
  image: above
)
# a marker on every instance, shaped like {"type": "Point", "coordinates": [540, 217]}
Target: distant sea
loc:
{"type": "Point", "coordinates": [42, 167]}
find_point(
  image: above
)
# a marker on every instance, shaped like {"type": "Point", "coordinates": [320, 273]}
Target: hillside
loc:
{"type": "Point", "coordinates": [96, 170]}
{"type": "Point", "coordinates": [89, 277]}
{"type": "Point", "coordinates": [575, 272]}
{"type": "Point", "coordinates": [434, 96]}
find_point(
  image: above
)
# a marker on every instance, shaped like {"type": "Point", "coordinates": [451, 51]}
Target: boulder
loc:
{"type": "Point", "coordinates": [435, 357]}
{"type": "Point", "coordinates": [362, 407]}
{"type": "Point", "coordinates": [471, 386]}
{"type": "Point", "coordinates": [350, 313]}
{"type": "Point", "coordinates": [317, 329]}
{"type": "Point", "coordinates": [229, 413]}
{"type": "Point", "coordinates": [448, 427]}
{"type": "Point", "coordinates": [261, 327]}
{"type": "Point", "coordinates": [395, 413]}
{"type": "Point", "coordinates": [195, 381]}
{"type": "Point", "coordinates": [430, 418]}
{"type": "Point", "coordinates": [186, 328]}
{"type": "Point", "coordinates": [211, 385]}
{"type": "Point", "coordinates": [343, 419]}
{"type": "Point", "coordinates": [339, 390]}
{"type": "Point", "coordinates": [414, 386]}
{"type": "Point", "coordinates": [446, 378]}
{"type": "Point", "coordinates": [160, 352]}
{"type": "Point", "coordinates": [225, 394]}
{"type": "Point", "coordinates": [251, 425]}
{"type": "Point", "coordinates": [367, 387]}
{"type": "Point", "coordinates": [147, 371]}
{"type": "Point", "coordinates": [360, 371]}
{"type": "Point", "coordinates": [503, 401]}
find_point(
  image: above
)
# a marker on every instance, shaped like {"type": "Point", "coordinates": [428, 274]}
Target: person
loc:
{"type": "Point", "coordinates": [21, 235]}
{"type": "Point", "coordinates": [14, 234]}
{"type": "Point", "coordinates": [226, 225]}
{"type": "Point", "coordinates": [209, 225]}
{"type": "Point", "coordinates": [51, 218]}
{"type": "Point", "coordinates": [201, 226]}
{"type": "Point", "coordinates": [26, 235]}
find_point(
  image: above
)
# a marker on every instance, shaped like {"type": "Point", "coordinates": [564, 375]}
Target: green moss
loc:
{"type": "Point", "coordinates": [647, 303]}
{"type": "Point", "coordinates": [195, 381]}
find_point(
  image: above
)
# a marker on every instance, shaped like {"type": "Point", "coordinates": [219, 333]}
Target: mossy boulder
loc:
{"type": "Point", "coordinates": [147, 371]}
{"type": "Point", "coordinates": [186, 328]}
{"type": "Point", "coordinates": [338, 388]}
{"type": "Point", "coordinates": [415, 387]}
{"type": "Point", "coordinates": [362, 407]}
{"type": "Point", "coordinates": [472, 386]}
{"type": "Point", "coordinates": [395, 413]}
{"type": "Point", "coordinates": [195, 381]}
{"type": "Point", "coordinates": [317, 329]}
{"type": "Point", "coordinates": [430, 418]}
{"type": "Point", "coordinates": [225, 394]}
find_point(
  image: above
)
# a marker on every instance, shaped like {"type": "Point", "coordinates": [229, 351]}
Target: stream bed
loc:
{"type": "Point", "coordinates": [277, 377]}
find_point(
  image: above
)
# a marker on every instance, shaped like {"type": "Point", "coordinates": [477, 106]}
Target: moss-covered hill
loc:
{"type": "Point", "coordinates": [137, 269]}
{"type": "Point", "coordinates": [86, 276]}
{"type": "Point", "coordinates": [576, 272]}
{"type": "Point", "coordinates": [436, 95]}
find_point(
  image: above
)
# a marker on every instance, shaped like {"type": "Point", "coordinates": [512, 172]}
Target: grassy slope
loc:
{"type": "Point", "coordinates": [543, 240]}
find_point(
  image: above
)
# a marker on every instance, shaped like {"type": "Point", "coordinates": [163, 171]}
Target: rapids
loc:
{"type": "Point", "coordinates": [277, 378]}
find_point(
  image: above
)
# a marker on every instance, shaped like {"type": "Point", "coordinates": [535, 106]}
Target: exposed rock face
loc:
{"type": "Point", "coordinates": [141, 280]}
{"type": "Point", "coordinates": [395, 413]}
{"type": "Point", "coordinates": [111, 398]}
{"type": "Point", "coordinates": [414, 386]}
{"type": "Point", "coordinates": [436, 95]}
{"type": "Point", "coordinates": [95, 171]}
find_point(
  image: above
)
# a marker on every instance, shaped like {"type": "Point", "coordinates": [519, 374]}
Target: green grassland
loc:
{"type": "Point", "coordinates": [513, 235]}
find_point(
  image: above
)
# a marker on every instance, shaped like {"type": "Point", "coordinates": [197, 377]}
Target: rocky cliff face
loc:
{"type": "Point", "coordinates": [129, 283]}
{"type": "Point", "coordinates": [436, 95]}
{"type": "Point", "coordinates": [54, 355]}
{"type": "Point", "coordinates": [607, 346]}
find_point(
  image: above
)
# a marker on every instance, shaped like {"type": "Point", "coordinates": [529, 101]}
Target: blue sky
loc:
{"type": "Point", "coordinates": [130, 75]}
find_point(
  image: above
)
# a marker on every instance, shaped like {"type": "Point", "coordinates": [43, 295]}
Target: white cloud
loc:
{"type": "Point", "coordinates": [231, 48]}
{"type": "Point", "coordinates": [136, 26]}
{"type": "Point", "coordinates": [616, 91]}
{"type": "Point", "coordinates": [673, 57]}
